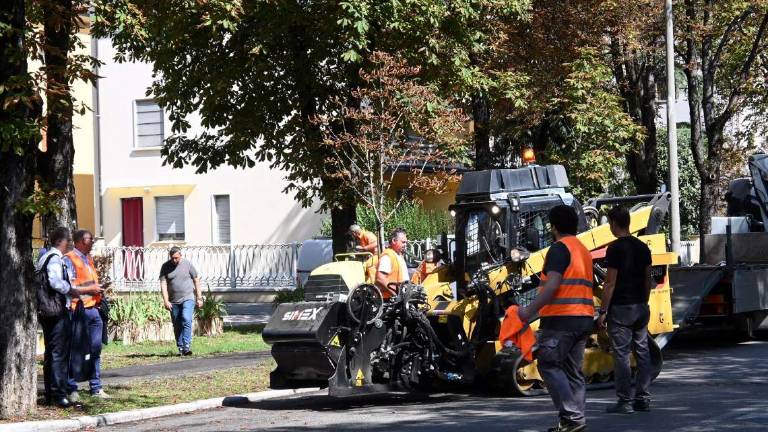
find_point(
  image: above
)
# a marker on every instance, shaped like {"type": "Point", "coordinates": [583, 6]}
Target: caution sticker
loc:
{"type": "Point", "coordinates": [360, 379]}
{"type": "Point", "coordinates": [335, 342]}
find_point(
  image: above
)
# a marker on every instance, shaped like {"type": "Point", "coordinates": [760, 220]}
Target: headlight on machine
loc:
{"type": "Point", "coordinates": [519, 254]}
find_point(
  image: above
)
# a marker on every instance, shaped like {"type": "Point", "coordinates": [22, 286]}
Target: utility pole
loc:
{"type": "Point", "coordinates": [674, 186]}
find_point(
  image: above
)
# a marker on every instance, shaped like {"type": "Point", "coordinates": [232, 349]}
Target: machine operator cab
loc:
{"type": "Point", "coordinates": [502, 215]}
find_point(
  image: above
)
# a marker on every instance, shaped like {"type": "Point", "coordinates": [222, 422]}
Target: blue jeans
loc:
{"type": "Point", "coordinates": [94, 339]}
{"type": "Point", "coordinates": [181, 316]}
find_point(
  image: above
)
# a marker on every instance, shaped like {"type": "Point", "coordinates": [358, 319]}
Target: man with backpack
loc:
{"type": "Point", "coordinates": [54, 294]}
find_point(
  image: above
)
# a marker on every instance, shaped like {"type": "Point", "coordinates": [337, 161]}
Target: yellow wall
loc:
{"type": "Point", "coordinates": [84, 161]}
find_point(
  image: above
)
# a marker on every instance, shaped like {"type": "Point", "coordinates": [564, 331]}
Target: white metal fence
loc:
{"type": "Point", "coordinates": [238, 267]}
{"type": "Point", "coordinates": [220, 267]}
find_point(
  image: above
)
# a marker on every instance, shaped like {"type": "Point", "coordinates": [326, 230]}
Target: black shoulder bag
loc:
{"type": "Point", "coordinates": [50, 303]}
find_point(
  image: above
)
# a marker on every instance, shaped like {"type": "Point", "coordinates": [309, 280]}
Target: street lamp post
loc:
{"type": "Point", "coordinates": [674, 187]}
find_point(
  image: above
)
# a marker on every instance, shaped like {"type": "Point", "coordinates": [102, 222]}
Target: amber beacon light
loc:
{"type": "Point", "coordinates": [529, 156]}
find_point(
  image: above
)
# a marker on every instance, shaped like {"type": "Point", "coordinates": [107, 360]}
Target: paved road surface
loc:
{"type": "Point", "coordinates": [714, 389]}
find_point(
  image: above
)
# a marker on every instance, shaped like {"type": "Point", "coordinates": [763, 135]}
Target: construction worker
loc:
{"type": "Point", "coordinates": [392, 267]}
{"type": "Point", "coordinates": [366, 240]}
{"type": "Point", "coordinates": [627, 286]}
{"type": "Point", "coordinates": [564, 303]}
{"type": "Point", "coordinates": [82, 271]}
{"type": "Point", "coordinates": [431, 261]}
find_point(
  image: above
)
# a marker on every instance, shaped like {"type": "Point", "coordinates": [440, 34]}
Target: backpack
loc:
{"type": "Point", "coordinates": [50, 303]}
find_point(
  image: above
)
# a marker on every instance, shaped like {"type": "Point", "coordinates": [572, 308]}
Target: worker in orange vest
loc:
{"type": "Point", "coordinates": [428, 265]}
{"type": "Point", "coordinates": [392, 267]}
{"type": "Point", "coordinates": [366, 240]}
{"type": "Point", "coordinates": [82, 272]}
{"type": "Point", "coordinates": [565, 305]}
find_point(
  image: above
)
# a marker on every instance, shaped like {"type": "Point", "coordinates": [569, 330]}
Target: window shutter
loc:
{"type": "Point", "coordinates": [169, 213]}
{"type": "Point", "coordinates": [221, 205]}
{"type": "Point", "coordinates": [149, 124]}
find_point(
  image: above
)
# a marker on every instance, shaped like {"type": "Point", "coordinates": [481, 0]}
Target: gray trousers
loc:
{"type": "Point", "coordinates": [560, 358]}
{"type": "Point", "coordinates": [628, 330]}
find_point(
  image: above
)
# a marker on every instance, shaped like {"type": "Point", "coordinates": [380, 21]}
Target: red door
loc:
{"type": "Point", "coordinates": [133, 235]}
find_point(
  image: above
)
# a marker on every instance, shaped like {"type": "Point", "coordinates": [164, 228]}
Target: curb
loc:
{"type": "Point", "coordinates": [78, 423]}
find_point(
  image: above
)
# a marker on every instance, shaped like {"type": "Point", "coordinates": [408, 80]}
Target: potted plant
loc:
{"type": "Point", "coordinates": [209, 319]}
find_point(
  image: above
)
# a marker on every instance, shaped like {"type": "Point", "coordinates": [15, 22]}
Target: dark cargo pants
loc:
{"type": "Point", "coordinates": [560, 357]}
{"type": "Point", "coordinates": [628, 330]}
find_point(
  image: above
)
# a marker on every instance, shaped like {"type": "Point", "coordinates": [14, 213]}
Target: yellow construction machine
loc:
{"type": "Point", "coordinates": [444, 332]}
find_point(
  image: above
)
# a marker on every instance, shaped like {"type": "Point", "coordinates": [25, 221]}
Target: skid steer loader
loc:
{"type": "Point", "coordinates": [444, 332]}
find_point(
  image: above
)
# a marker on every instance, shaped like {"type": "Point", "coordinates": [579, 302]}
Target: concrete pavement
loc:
{"type": "Point", "coordinates": [701, 389]}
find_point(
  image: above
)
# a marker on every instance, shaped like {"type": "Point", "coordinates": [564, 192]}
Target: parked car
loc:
{"type": "Point", "coordinates": [312, 254]}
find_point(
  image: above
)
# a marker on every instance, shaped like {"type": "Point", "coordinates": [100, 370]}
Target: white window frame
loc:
{"type": "Point", "coordinates": [135, 112]}
{"type": "Point", "coordinates": [215, 220]}
{"type": "Point", "coordinates": [184, 214]}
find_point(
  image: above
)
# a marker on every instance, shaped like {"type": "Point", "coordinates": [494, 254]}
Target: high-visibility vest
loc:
{"type": "Point", "coordinates": [424, 269]}
{"type": "Point", "coordinates": [518, 332]}
{"type": "Point", "coordinates": [366, 238]}
{"type": "Point", "coordinates": [85, 276]}
{"type": "Point", "coordinates": [574, 296]}
{"type": "Point", "coordinates": [394, 274]}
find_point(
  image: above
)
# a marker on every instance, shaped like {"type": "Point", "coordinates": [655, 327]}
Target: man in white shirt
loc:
{"type": "Point", "coordinates": [392, 267]}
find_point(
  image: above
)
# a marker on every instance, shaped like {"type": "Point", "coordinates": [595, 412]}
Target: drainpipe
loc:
{"type": "Point", "coordinates": [97, 137]}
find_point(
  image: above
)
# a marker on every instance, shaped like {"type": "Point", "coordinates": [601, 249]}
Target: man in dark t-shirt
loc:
{"type": "Point", "coordinates": [625, 309]}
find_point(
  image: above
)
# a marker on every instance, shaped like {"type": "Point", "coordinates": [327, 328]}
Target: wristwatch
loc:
{"type": "Point", "coordinates": [601, 311]}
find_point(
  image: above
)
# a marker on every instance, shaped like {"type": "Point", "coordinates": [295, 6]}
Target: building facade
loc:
{"type": "Point", "coordinates": [141, 202]}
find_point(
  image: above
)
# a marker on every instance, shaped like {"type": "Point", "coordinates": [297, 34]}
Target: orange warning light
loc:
{"type": "Point", "coordinates": [529, 156]}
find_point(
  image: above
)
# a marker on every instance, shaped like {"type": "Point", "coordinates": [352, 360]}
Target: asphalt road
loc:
{"type": "Point", "coordinates": [723, 388]}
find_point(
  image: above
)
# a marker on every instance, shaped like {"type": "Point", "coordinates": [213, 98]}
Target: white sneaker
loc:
{"type": "Point", "coordinates": [101, 394]}
{"type": "Point", "coordinates": [74, 396]}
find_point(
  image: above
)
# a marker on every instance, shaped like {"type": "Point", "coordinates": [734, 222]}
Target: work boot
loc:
{"type": "Point", "coordinates": [74, 396]}
{"type": "Point", "coordinates": [642, 405]}
{"type": "Point", "coordinates": [620, 408]}
{"type": "Point", "coordinates": [101, 394]}
{"type": "Point", "coordinates": [62, 402]}
{"type": "Point", "coordinates": [566, 426]}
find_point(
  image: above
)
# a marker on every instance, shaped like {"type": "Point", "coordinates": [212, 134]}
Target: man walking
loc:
{"type": "Point", "coordinates": [180, 288]}
{"type": "Point", "coordinates": [82, 271]}
{"type": "Point", "coordinates": [566, 308]}
{"type": "Point", "coordinates": [627, 286]}
{"type": "Point", "coordinates": [392, 267]}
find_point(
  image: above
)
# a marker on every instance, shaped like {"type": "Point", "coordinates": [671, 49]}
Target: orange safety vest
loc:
{"type": "Point", "coordinates": [574, 297]}
{"type": "Point", "coordinates": [424, 269]}
{"type": "Point", "coordinates": [518, 332]}
{"type": "Point", "coordinates": [366, 238]}
{"type": "Point", "coordinates": [85, 276]}
{"type": "Point", "coordinates": [394, 274]}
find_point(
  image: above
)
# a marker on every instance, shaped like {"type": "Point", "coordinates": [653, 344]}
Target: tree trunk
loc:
{"type": "Point", "coordinates": [642, 164]}
{"type": "Point", "coordinates": [481, 117]}
{"type": "Point", "coordinates": [56, 163]}
{"type": "Point", "coordinates": [18, 371]}
{"type": "Point", "coordinates": [341, 219]}
{"type": "Point", "coordinates": [633, 72]}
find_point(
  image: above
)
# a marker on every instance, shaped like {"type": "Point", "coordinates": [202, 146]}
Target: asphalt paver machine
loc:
{"type": "Point", "coordinates": [443, 333]}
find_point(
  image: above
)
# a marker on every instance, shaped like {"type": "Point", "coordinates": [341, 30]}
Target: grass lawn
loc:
{"type": "Point", "coordinates": [166, 391]}
{"type": "Point", "coordinates": [235, 339]}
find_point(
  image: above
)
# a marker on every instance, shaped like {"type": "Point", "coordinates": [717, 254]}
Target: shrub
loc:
{"type": "Point", "coordinates": [137, 309]}
{"type": "Point", "coordinates": [417, 221]}
{"type": "Point", "coordinates": [212, 307]}
{"type": "Point", "coordinates": [293, 296]}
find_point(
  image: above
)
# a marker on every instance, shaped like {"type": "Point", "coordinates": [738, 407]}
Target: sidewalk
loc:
{"type": "Point", "coordinates": [179, 367]}
{"type": "Point", "coordinates": [247, 313]}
